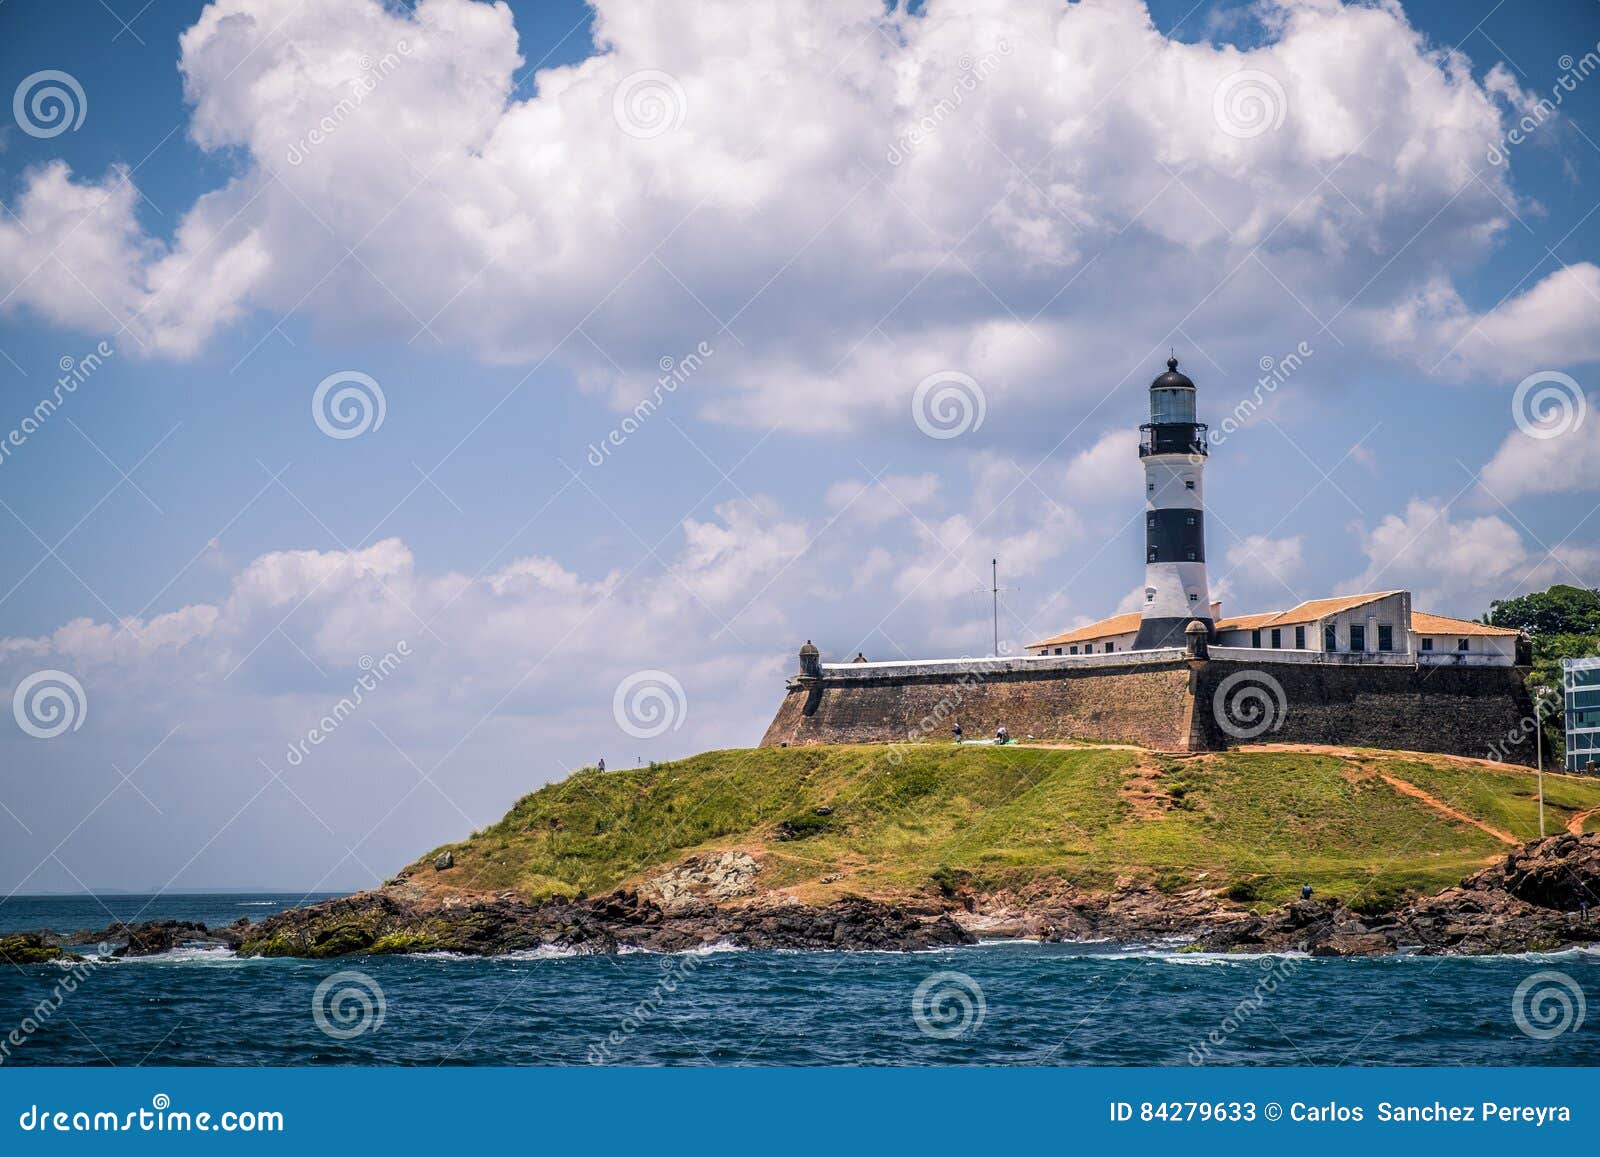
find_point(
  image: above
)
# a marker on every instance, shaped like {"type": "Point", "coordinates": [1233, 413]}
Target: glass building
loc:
{"type": "Point", "coordinates": [1580, 679]}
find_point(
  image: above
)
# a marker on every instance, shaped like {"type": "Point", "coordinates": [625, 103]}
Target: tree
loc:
{"type": "Point", "coordinates": [1561, 610]}
{"type": "Point", "coordinates": [1565, 624]}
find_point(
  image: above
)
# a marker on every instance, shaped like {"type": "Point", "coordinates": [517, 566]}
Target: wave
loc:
{"type": "Point", "coordinates": [543, 952]}
{"type": "Point", "coordinates": [714, 948]}
{"type": "Point", "coordinates": [186, 954]}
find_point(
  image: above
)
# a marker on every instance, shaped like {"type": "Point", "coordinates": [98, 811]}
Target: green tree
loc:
{"type": "Point", "coordinates": [1564, 622]}
{"type": "Point", "coordinates": [1561, 610]}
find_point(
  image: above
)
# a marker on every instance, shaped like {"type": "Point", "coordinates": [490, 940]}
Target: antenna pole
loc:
{"type": "Point", "coordinates": [994, 589]}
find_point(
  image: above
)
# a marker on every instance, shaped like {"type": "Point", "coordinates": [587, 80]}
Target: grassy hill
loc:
{"type": "Point", "coordinates": [1256, 824]}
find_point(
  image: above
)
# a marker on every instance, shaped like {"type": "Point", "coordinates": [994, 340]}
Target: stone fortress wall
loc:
{"type": "Point", "coordinates": [1168, 700]}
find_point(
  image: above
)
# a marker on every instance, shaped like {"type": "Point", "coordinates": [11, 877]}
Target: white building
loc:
{"type": "Point", "coordinates": [1580, 679]}
{"type": "Point", "coordinates": [1376, 627]}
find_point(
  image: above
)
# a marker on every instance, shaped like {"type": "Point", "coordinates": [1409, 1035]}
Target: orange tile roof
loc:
{"type": "Point", "coordinates": [1247, 622]}
{"type": "Point", "coordinates": [1307, 612]}
{"type": "Point", "coordinates": [1115, 625]}
{"type": "Point", "coordinates": [1425, 624]}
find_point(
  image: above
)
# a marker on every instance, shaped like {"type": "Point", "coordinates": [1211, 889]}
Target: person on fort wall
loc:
{"type": "Point", "coordinates": [955, 732]}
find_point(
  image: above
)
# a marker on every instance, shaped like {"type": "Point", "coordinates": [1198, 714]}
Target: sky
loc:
{"type": "Point", "coordinates": [401, 406]}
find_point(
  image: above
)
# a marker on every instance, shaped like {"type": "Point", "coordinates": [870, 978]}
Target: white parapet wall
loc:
{"type": "Point", "coordinates": [987, 665]}
{"type": "Point", "coordinates": [1321, 658]}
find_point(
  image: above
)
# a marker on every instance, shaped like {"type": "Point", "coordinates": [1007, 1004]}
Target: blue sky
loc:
{"type": "Point", "coordinates": [841, 203]}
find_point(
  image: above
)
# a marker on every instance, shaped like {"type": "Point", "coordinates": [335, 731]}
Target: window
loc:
{"type": "Point", "coordinates": [1191, 554]}
{"type": "Point", "coordinates": [1151, 487]}
{"type": "Point", "coordinates": [1149, 595]}
{"type": "Point", "coordinates": [1358, 637]}
{"type": "Point", "coordinates": [1074, 648]}
{"type": "Point", "coordinates": [1188, 483]}
{"type": "Point", "coordinates": [1058, 650]}
{"type": "Point", "coordinates": [1110, 647]}
{"type": "Point", "coordinates": [1189, 520]}
{"type": "Point", "coordinates": [1300, 638]}
{"type": "Point", "coordinates": [1463, 644]}
{"type": "Point", "coordinates": [1255, 638]}
{"type": "Point", "coordinates": [1330, 640]}
{"type": "Point", "coordinates": [1277, 638]}
{"type": "Point", "coordinates": [1152, 554]}
{"type": "Point", "coordinates": [1193, 598]}
{"type": "Point", "coordinates": [1150, 521]}
{"type": "Point", "coordinates": [1427, 644]}
{"type": "Point", "coordinates": [1385, 637]}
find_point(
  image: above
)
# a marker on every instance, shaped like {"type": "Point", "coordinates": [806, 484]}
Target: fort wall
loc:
{"type": "Point", "coordinates": [1168, 701]}
{"type": "Point", "coordinates": [1121, 699]}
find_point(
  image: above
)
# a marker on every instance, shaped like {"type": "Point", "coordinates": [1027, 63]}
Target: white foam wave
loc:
{"type": "Point", "coordinates": [543, 952]}
{"type": "Point", "coordinates": [187, 954]}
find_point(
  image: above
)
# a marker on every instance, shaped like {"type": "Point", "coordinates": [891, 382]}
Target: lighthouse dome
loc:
{"type": "Point", "coordinates": [1172, 379]}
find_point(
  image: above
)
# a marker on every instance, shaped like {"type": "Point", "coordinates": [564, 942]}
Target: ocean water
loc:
{"type": "Point", "coordinates": [991, 1004]}
{"type": "Point", "coordinates": [68, 914]}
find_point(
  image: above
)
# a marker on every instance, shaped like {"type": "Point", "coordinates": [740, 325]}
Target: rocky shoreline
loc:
{"type": "Point", "coordinates": [1534, 900]}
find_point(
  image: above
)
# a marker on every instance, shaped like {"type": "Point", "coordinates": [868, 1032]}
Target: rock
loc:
{"type": "Point", "coordinates": [380, 922]}
{"type": "Point", "coordinates": [151, 937]}
{"type": "Point", "coordinates": [30, 948]}
{"type": "Point", "coordinates": [444, 860]}
{"type": "Point", "coordinates": [1517, 905]}
{"type": "Point", "coordinates": [712, 876]}
{"type": "Point", "coordinates": [1354, 944]}
{"type": "Point", "coordinates": [1560, 872]}
{"type": "Point", "coordinates": [1528, 902]}
{"type": "Point", "coordinates": [156, 936]}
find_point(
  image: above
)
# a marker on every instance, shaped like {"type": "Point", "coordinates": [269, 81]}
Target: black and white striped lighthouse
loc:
{"type": "Point", "coordinates": [1173, 447]}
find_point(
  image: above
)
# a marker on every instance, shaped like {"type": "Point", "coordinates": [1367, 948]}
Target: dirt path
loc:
{"type": "Point", "coordinates": [1575, 824]}
{"type": "Point", "coordinates": [1443, 808]}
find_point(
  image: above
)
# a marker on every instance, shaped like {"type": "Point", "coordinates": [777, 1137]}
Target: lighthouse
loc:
{"type": "Point", "coordinates": [1172, 445]}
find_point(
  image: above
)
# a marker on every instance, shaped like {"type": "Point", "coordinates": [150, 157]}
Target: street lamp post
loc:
{"type": "Point", "coordinates": [1538, 746]}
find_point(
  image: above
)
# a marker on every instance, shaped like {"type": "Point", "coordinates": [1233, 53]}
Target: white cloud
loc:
{"type": "Point", "coordinates": [1044, 233]}
{"type": "Point", "coordinates": [1564, 462]}
{"type": "Point", "coordinates": [886, 500]}
{"type": "Point", "coordinates": [510, 673]}
{"type": "Point", "coordinates": [1280, 558]}
{"type": "Point", "coordinates": [1554, 323]}
{"type": "Point", "coordinates": [1459, 565]}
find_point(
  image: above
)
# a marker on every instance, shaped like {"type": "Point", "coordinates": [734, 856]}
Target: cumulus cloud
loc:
{"type": "Point", "coordinates": [1563, 458]}
{"type": "Point", "coordinates": [506, 678]}
{"type": "Point", "coordinates": [1554, 323]}
{"type": "Point", "coordinates": [840, 199]}
{"type": "Point", "coordinates": [1457, 565]}
{"type": "Point", "coordinates": [1266, 566]}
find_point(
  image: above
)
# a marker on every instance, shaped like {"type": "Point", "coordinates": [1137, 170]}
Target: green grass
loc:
{"type": "Point", "coordinates": [1262, 822]}
{"type": "Point", "coordinates": [1509, 800]}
